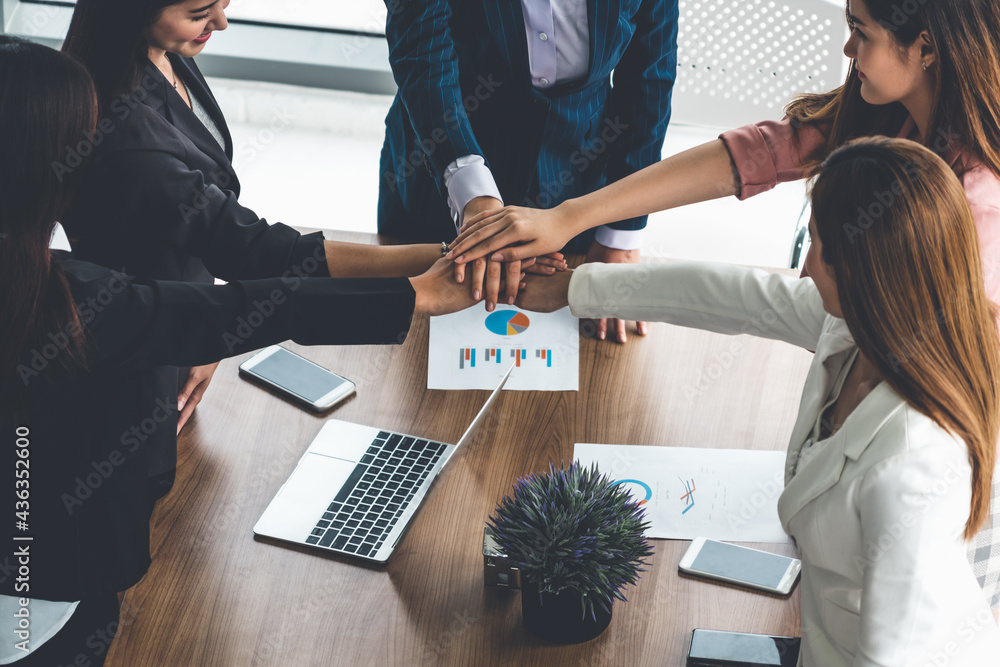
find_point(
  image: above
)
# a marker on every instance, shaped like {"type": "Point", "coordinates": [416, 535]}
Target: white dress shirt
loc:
{"type": "Point", "coordinates": [558, 51]}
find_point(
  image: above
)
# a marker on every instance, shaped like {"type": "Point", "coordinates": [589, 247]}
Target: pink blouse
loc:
{"type": "Point", "coordinates": [767, 153]}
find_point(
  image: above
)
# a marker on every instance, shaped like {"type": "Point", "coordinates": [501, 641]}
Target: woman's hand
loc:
{"type": "Point", "coordinates": [194, 389]}
{"type": "Point", "coordinates": [439, 294]}
{"type": "Point", "coordinates": [545, 294]}
{"type": "Point", "coordinates": [531, 231]}
{"type": "Point", "coordinates": [547, 265]}
{"type": "Point", "coordinates": [487, 274]}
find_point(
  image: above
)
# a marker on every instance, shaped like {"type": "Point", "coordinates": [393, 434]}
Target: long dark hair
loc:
{"type": "Point", "coordinates": [966, 41]}
{"type": "Point", "coordinates": [107, 36]}
{"type": "Point", "coordinates": [47, 105]}
{"type": "Point", "coordinates": [896, 227]}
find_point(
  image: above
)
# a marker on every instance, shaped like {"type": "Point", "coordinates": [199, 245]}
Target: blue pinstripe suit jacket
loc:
{"type": "Point", "coordinates": [464, 87]}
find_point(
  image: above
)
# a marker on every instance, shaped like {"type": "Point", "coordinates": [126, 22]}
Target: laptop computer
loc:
{"type": "Point", "coordinates": [356, 488]}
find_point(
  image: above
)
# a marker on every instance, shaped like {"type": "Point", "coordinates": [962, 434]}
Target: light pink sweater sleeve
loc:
{"type": "Point", "coordinates": [982, 188]}
{"type": "Point", "coordinates": [770, 152]}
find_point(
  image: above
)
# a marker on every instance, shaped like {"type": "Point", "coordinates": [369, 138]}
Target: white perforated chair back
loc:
{"type": "Point", "coordinates": [741, 61]}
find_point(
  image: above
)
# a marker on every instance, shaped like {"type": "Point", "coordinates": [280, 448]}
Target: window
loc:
{"type": "Point", "coordinates": [363, 16]}
{"type": "Point", "coordinates": [336, 44]}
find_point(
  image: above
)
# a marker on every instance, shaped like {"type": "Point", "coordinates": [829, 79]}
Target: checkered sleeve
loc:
{"type": "Point", "coordinates": [984, 549]}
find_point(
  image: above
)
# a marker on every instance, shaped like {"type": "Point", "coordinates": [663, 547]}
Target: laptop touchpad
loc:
{"type": "Point", "coordinates": [302, 500]}
{"type": "Point", "coordinates": [316, 481]}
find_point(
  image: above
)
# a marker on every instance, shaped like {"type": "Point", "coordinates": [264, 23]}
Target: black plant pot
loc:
{"type": "Point", "coordinates": [558, 617]}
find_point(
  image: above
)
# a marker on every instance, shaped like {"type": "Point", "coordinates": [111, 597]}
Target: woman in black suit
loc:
{"type": "Point", "coordinates": [159, 198]}
{"type": "Point", "coordinates": [79, 341]}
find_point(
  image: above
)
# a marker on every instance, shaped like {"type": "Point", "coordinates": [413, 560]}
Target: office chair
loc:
{"type": "Point", "coordinates": [800, 239]}
{"type": "Point", "coordinates": [742, 61]}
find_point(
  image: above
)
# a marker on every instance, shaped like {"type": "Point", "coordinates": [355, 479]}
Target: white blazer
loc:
{"type": "Point", "coordinates": [877, 511]}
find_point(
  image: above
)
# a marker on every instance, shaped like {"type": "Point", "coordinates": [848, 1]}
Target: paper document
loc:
{"type": "Point", "coordinates": [472, 349]}
{"type": "Point", "coordinates": [721, 494]}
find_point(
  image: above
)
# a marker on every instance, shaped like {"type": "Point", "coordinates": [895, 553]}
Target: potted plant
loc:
{"type": "Point", "coordinates": [578, 539]}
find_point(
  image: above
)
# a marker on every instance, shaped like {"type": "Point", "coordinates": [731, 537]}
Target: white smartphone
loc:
{"type": "Point", "coordinates": [741, 566]}
{"type": "Point", "coordinates": [298, 378]}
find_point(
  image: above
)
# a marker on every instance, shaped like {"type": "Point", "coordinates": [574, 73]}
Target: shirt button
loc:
{"type": "Point", "coordinates": [542, 36]}
{"type": "Point", "coordinates": [543, 81]}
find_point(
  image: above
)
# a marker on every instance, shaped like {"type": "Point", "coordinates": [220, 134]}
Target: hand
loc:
{"type": "Point", "coordinates": [437, 292]}
{"type": "Point", "coordinates": [486, 280]}
{"type": "Point", "coordinates": [479, 205]}
{"type": "Point", "coordinates": [197, 383]}
{"type": "Point", "coordinates": [488, 270]}
{"type": "Point", "coordinates": [545, 294]}
{"type": "Point", "coordinates": [600, 253]}
{"type": "Point", "coordinates": [476, 207]}
{"type": "Point", "coordinates": [531, 231]}
{"type": "Point", "coordinates": [547, 265]}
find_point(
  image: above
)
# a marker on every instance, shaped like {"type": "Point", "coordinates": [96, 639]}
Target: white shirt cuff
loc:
{"type": "Point", "coordinates": [466, 178]}
{"type": "Point", "coordinates": [619, 239]}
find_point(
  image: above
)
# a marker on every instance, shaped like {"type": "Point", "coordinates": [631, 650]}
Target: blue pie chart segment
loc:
{"type": "Point", "coordinates": [507, 322]}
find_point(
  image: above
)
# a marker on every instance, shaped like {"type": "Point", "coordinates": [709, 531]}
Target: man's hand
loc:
{"type": "Point", "coordinates": [197, 383]}
{"type": "Point", "coordinates": [600, 253]}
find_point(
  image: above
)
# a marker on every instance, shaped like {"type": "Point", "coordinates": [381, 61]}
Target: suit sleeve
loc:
{"type": "Point", "coordinates": [770, 152]}
{"type": "Point", "coordinates": [640, 96]}
{"type": "Point", "coordinates": [425, 68]}
{"type": "Point", "coordinates": [171, 204]}
{"type": "Point", "coordinates": [141, 326]}
{"type": "Point", "coordinates": [714, 297]}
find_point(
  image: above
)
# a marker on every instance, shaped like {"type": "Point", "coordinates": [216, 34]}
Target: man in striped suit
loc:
{"type": "Point", "coordinates": [514, 102]}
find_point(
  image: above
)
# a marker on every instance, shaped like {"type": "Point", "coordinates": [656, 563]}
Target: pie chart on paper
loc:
{"type": "Point", "coordinates": [507, 322]}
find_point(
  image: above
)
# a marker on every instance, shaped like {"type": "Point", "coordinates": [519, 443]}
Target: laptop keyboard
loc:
{"type": "Point", "coordinates": [376, 494]}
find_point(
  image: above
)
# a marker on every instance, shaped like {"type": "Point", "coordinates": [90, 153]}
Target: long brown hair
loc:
{"type": "Point", "coordinates": [107, 36]}
{"type": "Point", "coordinates": [965, 36]}
{"type": "Point", "coordinates": [895, 225]}
{"type": "Point", "coordinates": [47, 104]}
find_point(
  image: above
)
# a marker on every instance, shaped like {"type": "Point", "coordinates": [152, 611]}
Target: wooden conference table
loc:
{"type": "Point", "coordinates": [215, 595]}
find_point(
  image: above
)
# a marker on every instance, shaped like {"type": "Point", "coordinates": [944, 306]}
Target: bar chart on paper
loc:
{"type": "Point", "coordinates": [473, 349]}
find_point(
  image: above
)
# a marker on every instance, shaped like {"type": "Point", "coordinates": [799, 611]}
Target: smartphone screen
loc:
{"type": "Point", "coordinates": [297, 375]}
{"type": "Point", "coordinates": [731, 649]}
{"type": "Point", "coordinates": [748, 565]}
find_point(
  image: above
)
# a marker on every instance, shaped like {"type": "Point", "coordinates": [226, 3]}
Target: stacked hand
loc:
{"type": "Point", "coordinates": [438, 294]}
{"type": "Point", "coordinates": [512, 234]}
{"type": "Point", "coordinates": [485, 275]}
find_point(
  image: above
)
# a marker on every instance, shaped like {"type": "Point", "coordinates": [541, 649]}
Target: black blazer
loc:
{"type": "Point", "coordinates": [88, 506]}
{"type": "Point", "coordinates": [159, 197]}
{"type": "Point", "coordinates": [159, 200]}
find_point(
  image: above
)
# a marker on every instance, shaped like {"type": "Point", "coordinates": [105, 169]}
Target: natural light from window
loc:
{"type": "Point", "coordinates": [366, 16]}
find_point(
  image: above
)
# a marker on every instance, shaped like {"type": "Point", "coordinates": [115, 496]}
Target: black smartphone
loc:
{"type": "Point", "coordinates": [298, 378]}
{"type": "Point", "coordinates": [715, 648]}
